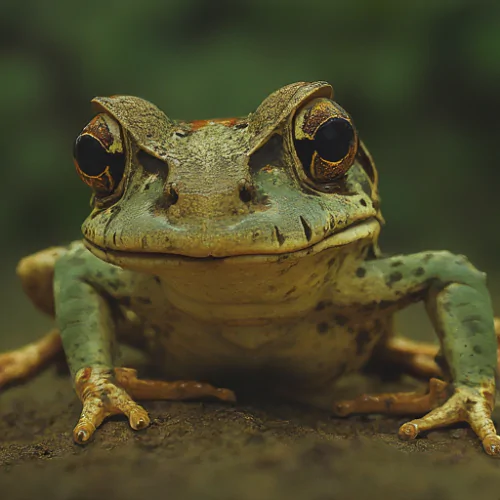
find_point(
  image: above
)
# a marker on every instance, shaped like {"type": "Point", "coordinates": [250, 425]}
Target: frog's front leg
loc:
{"type": "Point", "coordinates": [460, 309]}
{"type": "Point", "coordinates": [87, 325]}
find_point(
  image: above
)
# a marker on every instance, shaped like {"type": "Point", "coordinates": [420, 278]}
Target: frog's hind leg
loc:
{"type": "Point", "coordinates": [413, 358]}
{"type": "Point", "coordinates": [402, 355]}
{"type": "Point", "coordinates": [25, 362]}
{"type": "Point", "coordinates": [168, 390]}
{"type": "Point", "coordinates": [417, 359]}
{"type": "Point", "coordinates": [36, 273]}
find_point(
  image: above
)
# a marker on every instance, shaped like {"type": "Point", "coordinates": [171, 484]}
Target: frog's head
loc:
{"type": "Point", "coordinates": [291, 175]}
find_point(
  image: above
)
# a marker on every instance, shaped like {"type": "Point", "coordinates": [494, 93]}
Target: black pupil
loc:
{"type": "Point", "coordinates": [93, 159]}
{"type": "Point", "coordinates": [333, 139]}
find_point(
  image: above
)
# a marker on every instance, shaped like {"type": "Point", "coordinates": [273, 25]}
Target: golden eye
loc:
{"type": "Point", "coordinates": [99, 155]}
{"type": "Point", "coordinates": [325, 140]}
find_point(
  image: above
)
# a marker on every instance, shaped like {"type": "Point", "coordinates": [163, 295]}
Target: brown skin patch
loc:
{"type": "Point", "coordinates": [227, 122]}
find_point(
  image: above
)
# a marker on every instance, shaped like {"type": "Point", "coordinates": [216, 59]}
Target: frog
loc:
{"type": "Point", "coordinates": [244, 252]}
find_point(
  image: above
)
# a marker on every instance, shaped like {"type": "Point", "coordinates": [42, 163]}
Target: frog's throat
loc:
{"type": "Point", "coordinates": [367, 229]}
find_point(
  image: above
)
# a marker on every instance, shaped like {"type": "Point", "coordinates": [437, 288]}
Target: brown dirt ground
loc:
{"type": "Point", "coordinates": [256, 449]}
{"type": "Point", "coordinates": [204, 450]}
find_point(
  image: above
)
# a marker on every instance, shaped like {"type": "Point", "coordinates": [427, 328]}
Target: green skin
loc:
{"type": "Point", "coordinates": [288, 285]}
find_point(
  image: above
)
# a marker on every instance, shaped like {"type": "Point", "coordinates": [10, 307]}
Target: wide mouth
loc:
{"type": "Point", "coordinates": [364, 229]}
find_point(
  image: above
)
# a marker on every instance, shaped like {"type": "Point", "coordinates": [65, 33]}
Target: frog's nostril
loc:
{"type": "Point", "coordinates": [171, 196]}
{"type": "Point", "coordinates": [247, 191]}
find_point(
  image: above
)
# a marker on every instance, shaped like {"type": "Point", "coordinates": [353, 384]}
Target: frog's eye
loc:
{"type": "Point", "coordinates": [99, 155]}
{"type": "Point", "coordinates": [325, 140]}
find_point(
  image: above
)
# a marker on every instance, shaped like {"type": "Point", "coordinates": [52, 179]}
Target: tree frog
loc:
{"type": "Point", "coordinates": [244, 251]}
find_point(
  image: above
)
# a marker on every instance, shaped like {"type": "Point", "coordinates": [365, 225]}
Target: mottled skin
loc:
{"type": "Point", "coordinates": [221, 255]}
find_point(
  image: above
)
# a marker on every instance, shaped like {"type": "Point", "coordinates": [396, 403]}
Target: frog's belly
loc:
{"type": "Point", "coordinates": [301, 356]}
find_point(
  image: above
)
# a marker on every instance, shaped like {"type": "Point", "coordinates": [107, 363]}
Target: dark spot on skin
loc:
{"type": "Point", "coordinates": [394, 278]}
{"type": "Point", "coordinates": [478, 349]}
{"type": "Point", "coordinates": [322, 304]}
{"type": "Point", "coordinates": [330, 263]}
{"type": "Point", "coordinates": [143, 300]}
{"type": "Point", "coordinates": [360, 272]}
{"type": "Point", "coordinates": [340, 319]}
{"type": "Point", "coordinates": [397, 263]}
{"type": "Point", "coordinates": [419, 271]}
{"type": "Point", "coordinates": [157, 279]}
{"type": "Point", "coordinates": [293, 289]}
{"type": "Point", "coordinates": [307, 228]}
{"type": "Point", "coordinates": [384, 304]}
{"type": "Point", "coordinates": [322, 328]}
{"type": "Point", "coordinates": [362, 202]}
{"type": "Point", "coordinates": [362, 338]}
{"type": "Point", "coordinates": [98, 274]}
{"type": "Point", "coordinates": [447, 306]}
{"type": "Point", "coordinates": [428, 257]}
{"type": "Point", "coordinates": [115, 285]}
{"type": "Point", "coordinates": [350, 329]}
{"type": "Point", "coordinates": [313, 277]}
{"type": "Point", "coordinates": [272, 288]}
{"type": "Point", "coordinates": [279, 236]}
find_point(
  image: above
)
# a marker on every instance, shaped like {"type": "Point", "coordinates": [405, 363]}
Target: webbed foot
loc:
{"type": "Point", "coordinates": [111, 392]}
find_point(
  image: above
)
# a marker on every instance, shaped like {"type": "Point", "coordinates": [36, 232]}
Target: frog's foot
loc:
{"type": "Point", "coordinates": [396, 403]}
{"type": "Point", "coordinates": [111, 392]}
{"type": "Point", "coordinates": [30, 359]}
{"type": "Point", "coordinates": [467, 404]}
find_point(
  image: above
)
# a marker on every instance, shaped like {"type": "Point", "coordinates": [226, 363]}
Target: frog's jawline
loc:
{"type": "Point", "coordinates": [365, 229]}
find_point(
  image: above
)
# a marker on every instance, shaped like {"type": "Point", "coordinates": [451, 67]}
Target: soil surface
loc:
{"type": "Point", "coordinates": [255, 449]}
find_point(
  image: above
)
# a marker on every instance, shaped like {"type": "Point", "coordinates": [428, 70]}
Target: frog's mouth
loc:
{"type": "Point", "coordinates": [366, 229]}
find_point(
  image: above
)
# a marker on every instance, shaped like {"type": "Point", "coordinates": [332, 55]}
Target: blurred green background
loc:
{"type": "Point", "coordinates": [421, 79]}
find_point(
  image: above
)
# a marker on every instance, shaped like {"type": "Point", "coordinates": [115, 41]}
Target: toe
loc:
{"type": "Point", "coordinates": [137, 416]}
{"type": "Point", "coordinates": [491, 445]}
{"type": "Point", "coordinates": [408, 431]}
{"type": "Point", "coordinates": [225, 395]}
{"type": "Point", "coordinates": [92, 415]}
